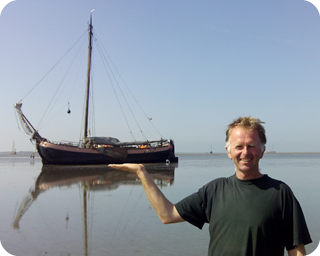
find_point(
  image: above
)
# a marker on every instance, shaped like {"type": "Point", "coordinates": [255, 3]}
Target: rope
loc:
{"type": "Point", "coordinates": [124, 209]}
{"type": "Point", "coordinates": [130, 217]}
{"type": "Point", "coordinates": [106, 69]}
{"type": "Point", "coordinates": [102, 49]}
{"type": "Point", "coordinates": [67, 72]}
{"type": "Point", "coordinates": [52, 68]}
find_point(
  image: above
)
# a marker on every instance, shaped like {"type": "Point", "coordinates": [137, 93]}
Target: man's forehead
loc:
{"type": "Point", "coordinates": [239, 133]}
{"type": "Point", "coordinates": [241, 143]}
{"type": "Point", "coordinates": [240, 128]}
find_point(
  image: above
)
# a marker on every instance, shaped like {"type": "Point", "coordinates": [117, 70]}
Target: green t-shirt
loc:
{"type": "Point", "coordinates": [247, 217]}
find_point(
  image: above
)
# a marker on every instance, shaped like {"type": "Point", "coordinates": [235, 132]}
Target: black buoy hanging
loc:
{"type": "Point", "coordinates": [69, 111]}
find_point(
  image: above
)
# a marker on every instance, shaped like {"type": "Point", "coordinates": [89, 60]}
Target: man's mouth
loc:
{"type": "Point", "coordinates": [245, 160]}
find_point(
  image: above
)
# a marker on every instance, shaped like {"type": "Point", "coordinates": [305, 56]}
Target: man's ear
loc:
{"type": "Point", "coordinates": [229, 155]}
{"type": "Point", "coordinates": [263, 152]}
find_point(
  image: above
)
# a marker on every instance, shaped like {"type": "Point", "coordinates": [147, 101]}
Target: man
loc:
{"type": "Point", "coordinates": [248, 213]}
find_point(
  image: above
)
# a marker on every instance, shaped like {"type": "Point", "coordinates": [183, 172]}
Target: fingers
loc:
{"type": "Point", "coordinates": [126, 167]}
{"type": "Point", "coordinates": [118, 166]}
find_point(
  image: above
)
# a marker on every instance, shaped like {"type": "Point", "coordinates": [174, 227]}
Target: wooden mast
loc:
{"type": "Point", "coordinates": [88, 81]}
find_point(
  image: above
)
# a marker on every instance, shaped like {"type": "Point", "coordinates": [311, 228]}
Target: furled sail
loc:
{"type": "Point", "coordinates": [26, 125]}
{"type": "Point", "coordinates": [23, 120]}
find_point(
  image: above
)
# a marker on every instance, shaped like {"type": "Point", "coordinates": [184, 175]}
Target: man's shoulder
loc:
{"type": "Point", "coordinates": [274, 184]}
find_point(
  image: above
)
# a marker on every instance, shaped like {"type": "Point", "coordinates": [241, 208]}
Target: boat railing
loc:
{"type": "Point", "coordinates": [67, 143]}
{"type": "Point", "coordinates": [96, 145]}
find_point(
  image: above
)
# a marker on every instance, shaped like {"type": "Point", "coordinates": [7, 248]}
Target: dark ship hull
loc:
{"type": "Point", "coordinates": [54, 154]}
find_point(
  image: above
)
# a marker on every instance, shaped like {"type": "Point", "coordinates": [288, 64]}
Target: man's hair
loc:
{"type": "Point", "coordinates": [249, 123]}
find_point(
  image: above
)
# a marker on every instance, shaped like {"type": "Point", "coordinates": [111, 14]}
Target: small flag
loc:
{"type": "Point", "coordinates": [149, 118]}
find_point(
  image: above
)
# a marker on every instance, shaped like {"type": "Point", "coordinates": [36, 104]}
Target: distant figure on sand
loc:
{"type": "Point", "coordinates": [249, 213]}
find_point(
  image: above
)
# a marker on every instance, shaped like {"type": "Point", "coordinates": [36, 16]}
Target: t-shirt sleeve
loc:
{"type": "Point", "coordinates": [192, 208]}
{"type": "Point", "coordinates": [295, 227]}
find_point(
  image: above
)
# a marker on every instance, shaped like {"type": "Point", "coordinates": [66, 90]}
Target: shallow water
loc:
{"type": "Point", "coordinates": [100, 211]}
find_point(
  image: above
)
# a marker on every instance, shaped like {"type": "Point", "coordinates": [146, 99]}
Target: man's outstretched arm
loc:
{"type": "Point", "coordinates": [166, 211]}
{"type": "Point", "coordinates": [298, 251]}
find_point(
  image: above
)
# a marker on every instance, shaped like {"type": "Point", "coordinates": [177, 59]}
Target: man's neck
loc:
{"type": "Point", "coordinates": [248, 176]}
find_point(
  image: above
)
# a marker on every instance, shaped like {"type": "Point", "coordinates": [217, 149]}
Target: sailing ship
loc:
{"type": "Point", "coordinates": [13, 151]}
{"type": "Point", "coordinates": [96, 150]}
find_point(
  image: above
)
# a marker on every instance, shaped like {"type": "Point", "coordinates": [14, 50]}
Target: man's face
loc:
{"type": "Point", "coordinates": [245, 150]}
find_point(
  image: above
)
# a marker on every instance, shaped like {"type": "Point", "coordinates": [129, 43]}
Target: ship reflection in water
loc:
{"type": "Point", "coordinates": [89, 179]}
{"type": "Point", "coordinates": [100, 177]}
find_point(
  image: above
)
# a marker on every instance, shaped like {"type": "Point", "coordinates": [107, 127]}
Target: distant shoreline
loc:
{"type": "Point", "coordinates": [276, 153]}
{"type": "Point", "coordinates": [28, 153]}
{"type": "Point", "coordinates": [20, 153]}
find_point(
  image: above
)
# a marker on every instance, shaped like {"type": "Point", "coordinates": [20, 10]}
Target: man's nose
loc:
{"type": "Point", "coordinates": [245, 150]}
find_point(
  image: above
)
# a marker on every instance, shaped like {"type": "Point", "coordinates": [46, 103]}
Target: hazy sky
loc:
{"type": "Point", "coordinates": [193, 66]}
